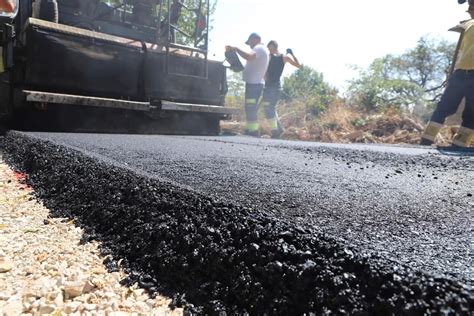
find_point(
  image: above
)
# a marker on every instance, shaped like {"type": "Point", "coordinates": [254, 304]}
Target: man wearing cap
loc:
{"type": "Point", "coordinates": [253, 75]}
{"type": "Point", "coordinates": [460, 86]}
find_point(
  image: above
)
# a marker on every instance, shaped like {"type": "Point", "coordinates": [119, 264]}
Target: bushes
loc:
{"type": "Point", "coordinates": [344, 124]}
{"type": "Point", "coordinates": [308, 85]}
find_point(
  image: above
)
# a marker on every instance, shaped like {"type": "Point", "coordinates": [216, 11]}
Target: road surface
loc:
{"type": "Point", "coordinates": [409, 205]}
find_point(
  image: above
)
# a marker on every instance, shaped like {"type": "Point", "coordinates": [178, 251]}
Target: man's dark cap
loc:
{"type": "Point", "coordinates": [253, 35]}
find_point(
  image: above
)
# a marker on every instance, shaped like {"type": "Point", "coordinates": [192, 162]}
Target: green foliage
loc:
{"type": "Point", "coordinates": [235, 97]}
{"type": "Point", "coordinates": [188, 19]}
{"type": "Point", "coordinates": [359, 122]}
{"type": "Point", "coordinates": [410, 80]}
{"type": "Point", "coordinates": [308, 85]}
{"type": "Point", "coordinates": [375, 89]}
{"type": "Point", "coordinates": [235, 84]}
{"type": "Point", "coordinates": [236, 102]}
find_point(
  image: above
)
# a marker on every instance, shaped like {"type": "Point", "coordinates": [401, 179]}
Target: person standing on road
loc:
{"type": "Point", "coordinates": [253, 75]}
{"type": "Point", "coordinates": [460, 86]}
{"type": "Point", "coordinates": [271, 93]}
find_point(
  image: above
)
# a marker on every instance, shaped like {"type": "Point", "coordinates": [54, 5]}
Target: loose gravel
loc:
{"type": "Point", "coordinates": [46, 269]}
{"type": "Point", "coordinates": [220, 256]}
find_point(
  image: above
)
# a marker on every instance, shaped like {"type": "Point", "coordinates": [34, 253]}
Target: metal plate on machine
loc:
{"type": "Point", "coordinates": [80, 32]}
{"type": "Point", "coordinates": [173, 106]}
{"type": "Point", "coordinates": [76, 61]}
{"type": "Point", "coordinates": [180, 81]}
{"type": "Point", "coordinates": [68, 99]}
{"type": "Point", "coordinates": [58, 98]}
{"type": "Point", "coordinates": [79, 62]}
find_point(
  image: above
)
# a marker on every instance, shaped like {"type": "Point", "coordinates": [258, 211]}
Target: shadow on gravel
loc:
{"type": "Point", "coordinates": [218, 256]}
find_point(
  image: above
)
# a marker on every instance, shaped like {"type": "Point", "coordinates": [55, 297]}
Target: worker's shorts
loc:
{"type": "Point", "coordinates": [460, 85]}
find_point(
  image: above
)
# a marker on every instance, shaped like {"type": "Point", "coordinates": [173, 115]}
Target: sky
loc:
{"type": "Point", "coordinates": [331, 36]}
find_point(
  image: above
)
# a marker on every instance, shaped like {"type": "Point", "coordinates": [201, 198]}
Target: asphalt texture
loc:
{"type": "Point", "coordinates": [265, 226]}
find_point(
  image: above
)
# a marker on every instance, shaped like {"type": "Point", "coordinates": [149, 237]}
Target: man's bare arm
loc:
{"type": "Point", "coordinates": [292, 61]}
{"type": "Point", "coordinates": [243, 54]}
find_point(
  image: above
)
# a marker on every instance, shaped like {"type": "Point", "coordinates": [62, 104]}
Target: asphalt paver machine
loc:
{"type": "Point", "coordinates": [112, 66]}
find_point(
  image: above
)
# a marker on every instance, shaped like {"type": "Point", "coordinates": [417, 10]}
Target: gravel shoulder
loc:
{"type": "Point", "coordinates": [47, 268]}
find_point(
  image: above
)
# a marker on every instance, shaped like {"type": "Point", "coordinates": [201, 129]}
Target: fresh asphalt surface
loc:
{"type": "Point", "coordinates": [407, 204]}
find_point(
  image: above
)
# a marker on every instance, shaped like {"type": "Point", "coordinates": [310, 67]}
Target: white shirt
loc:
{"type": "Point", "coordinates": [255, 69]}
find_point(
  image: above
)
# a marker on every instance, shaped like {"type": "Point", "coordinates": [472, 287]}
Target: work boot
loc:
{"type": "Point", "coordinates": [429, 135]}
{"type": "Point", "coordinates": [276, 134]}
{"type": "Point", "coordinates": [280, 126]}
{"type": "Point", "coordinates": [426, 142]}
{"type": "Point", "coordinates": [252, 133]}
{"type": "Point", "coordinates": [463, 138]}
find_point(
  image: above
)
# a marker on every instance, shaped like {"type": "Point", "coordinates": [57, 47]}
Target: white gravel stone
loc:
{"type": "Point", "coordinates": [46, 309]}
{"type": "Point", "coordinates": [73, 289]}
{"type": "Point", "coordinates": [90, 307]}
{"type": "Point", "coordinates": [5, 265]}
{"type": "Point", "coordinates": [12, 308]}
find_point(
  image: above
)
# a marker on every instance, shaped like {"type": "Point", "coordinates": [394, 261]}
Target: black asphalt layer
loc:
{"type": "Point", "coordinates": [364, 227]}
{"type": "Point", "coordinates": [409, 204]}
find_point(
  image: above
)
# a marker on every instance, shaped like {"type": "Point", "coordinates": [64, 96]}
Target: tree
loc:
{"type": "Point", "coordinates": [308, 85]}
{"type": "Point", "coordinates": [236, 84]}
{"type": "Point", "coordinates": [415, 78]}
{"type": "Point", "coordinates": [191, 17]}
{"type": "Point", "coordinates": [376, 90]}
{"type": "Point", "coordinates": [193, 22]}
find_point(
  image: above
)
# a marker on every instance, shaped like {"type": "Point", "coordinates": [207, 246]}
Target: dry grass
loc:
{"type": "Point", "coordinates": [340, 123]}
{"type": "Point", "coordinates": [343, 124]}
